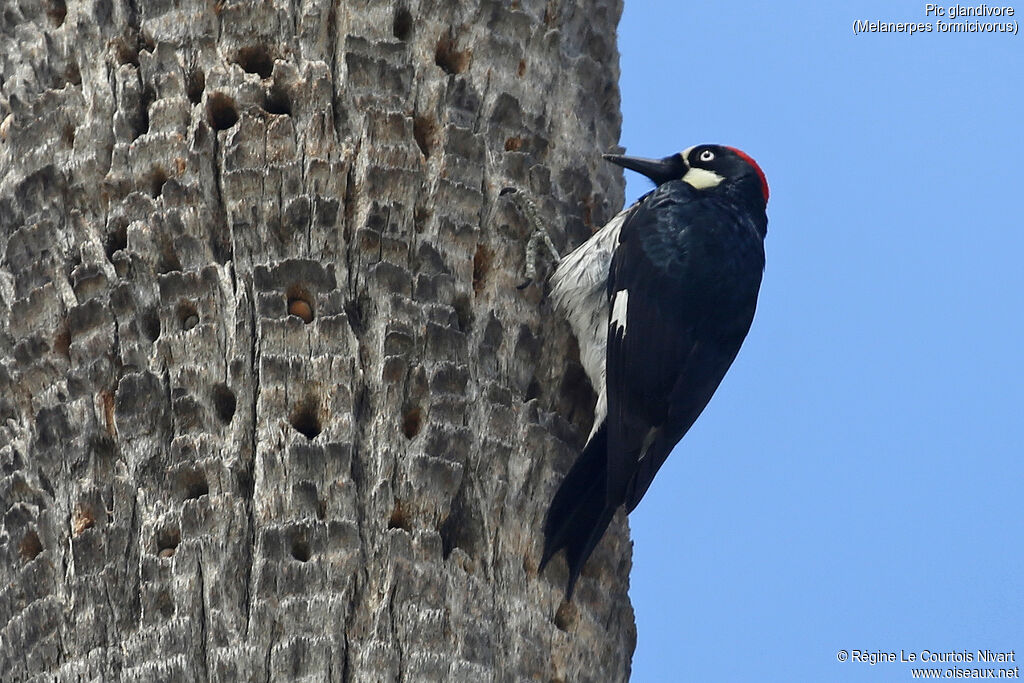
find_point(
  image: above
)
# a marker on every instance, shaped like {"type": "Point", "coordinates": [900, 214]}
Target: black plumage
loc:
{"type": "Point", "coordinates": [682, 287]}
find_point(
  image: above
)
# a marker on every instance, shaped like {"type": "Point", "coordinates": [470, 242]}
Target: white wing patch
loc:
{"type": "Point", "coordinates": [619, 307]}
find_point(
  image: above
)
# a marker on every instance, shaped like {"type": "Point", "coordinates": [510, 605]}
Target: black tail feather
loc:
{"type": "Point", "coordinates": [580, 511]}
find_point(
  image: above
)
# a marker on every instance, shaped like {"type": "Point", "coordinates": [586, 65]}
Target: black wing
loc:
{"type": "Point", "coordinates": [682, 292]}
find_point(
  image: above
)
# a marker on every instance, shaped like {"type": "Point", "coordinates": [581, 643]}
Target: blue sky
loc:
{"type": "Point", "coordinates": [856, 483]}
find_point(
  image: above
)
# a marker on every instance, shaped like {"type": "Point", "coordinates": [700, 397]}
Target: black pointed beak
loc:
{"type": "Point", "coordinates": [659, 170]}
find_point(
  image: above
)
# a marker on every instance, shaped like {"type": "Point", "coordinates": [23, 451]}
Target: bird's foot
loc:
{"type": "Point", "coordinates": [539, 244]}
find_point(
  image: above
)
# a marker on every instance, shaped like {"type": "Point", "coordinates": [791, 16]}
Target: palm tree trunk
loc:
{"type": "Point", "coordinates": [271, 404]}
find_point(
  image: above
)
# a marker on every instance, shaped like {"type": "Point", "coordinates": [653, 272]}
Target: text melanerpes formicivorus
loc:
{"type": "Point", "coordinates": [660, 300]}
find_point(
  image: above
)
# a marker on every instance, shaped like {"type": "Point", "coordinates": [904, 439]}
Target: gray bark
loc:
{"type": "Point", "coordinates": [271, 406]}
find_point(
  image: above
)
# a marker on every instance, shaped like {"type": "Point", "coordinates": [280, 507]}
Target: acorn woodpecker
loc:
{"type": "Point", "coordinates": [660, 300]}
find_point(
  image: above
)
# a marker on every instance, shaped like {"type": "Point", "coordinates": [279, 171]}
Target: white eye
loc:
{"type": "Point", "coordinates": [707, 155]}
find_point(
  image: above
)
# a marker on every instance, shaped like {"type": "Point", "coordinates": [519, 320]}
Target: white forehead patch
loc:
{"type": "Point", "coordinates": [702, 179]}
{"type": "Point", "coordinates": [619, 307]}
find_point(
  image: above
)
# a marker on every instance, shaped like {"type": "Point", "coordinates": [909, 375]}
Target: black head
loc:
{"type": "Point", "coordinates": [702, 166]}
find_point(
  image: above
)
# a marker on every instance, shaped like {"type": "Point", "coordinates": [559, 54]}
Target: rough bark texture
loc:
{"type": "Point", "coordinates": [271, 405]}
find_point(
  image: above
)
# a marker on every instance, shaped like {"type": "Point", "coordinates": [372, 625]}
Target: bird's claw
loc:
{"type": "Point", "coordinates": [539, 239]}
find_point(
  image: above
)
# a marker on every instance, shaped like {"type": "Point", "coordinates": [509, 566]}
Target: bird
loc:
{"type": "Point", "coordinates": [660, 300]}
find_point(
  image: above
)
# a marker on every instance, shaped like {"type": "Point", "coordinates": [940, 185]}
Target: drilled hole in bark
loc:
{"type": "Point", "coordinates": [463, 528]}
{"type": "Point", "coordinates": [575, 396]}
{"type": "Point", "coordinates": [463, 312]}
{"type": "Point", "coordinates": [355, 312]}
{"type": "Point", "coordinates": [167, 541]}
{"type": "Point", "coordinates": [220, 242]}
{"type": "Point", "coordinates": [412, 420]}
{"type": "Point", "coordinates": [305, 420]}
{"type": "Point", "coordinates": [30, 546]}
{"type": "Point", "coordinates": [84, 517]}
{"type": "Point", "coordinates": [277, 102]}
{"type": "Point", "coordinates": [566, 616]}
{"type": "Point", "coordinates": [245, 483]}
{"type": "Point", "coordinates": [62, 339]}
{"type": "Point", "coordinates": [402, 26]}
{"type": "Point", "coordinates": [169, 261]}
{"type": "Point", "coordinates": [127, 53]}
{"type": "Point", "coordinates": [449, 58]}
{"type": "Point", "coordinates": [221, 111]}
{"type": "Point", "coordinates": [481, 267]}
{"type": "Point", "coordinates": [188, 316]}
{"type": "Point", "coordinates": [256, 59]}
{"type": "Point", "coordinates": [73, 74]}
{"type": "Point", "coordinates": [224, 403]}
{"type": "Point", "coordinates": [300, 304]}
{"type": "Point", "coordinates": [68, 135]}
{"type": "Point", "coordinates": [533, 390]}
{"type": "Point", "coordinates": [192, 484]}
{"type": "Point", "coordinates": [164, 604]}
{"type": "Point", "coordinates": [300, 549]}
{"type": "Point", "coordinates": [420, 217]}
{"type": "Point", "coordinates": [195, 84]}
{"type": "Point", "coordinates": [147, 98]}
{"type": "Point", "coordinates": [513, 144]}
{"type": "Point", "coordinates": [74, 260]}
{"type": "Point", "coordinates": [117, 239]}
{"type": "Point", "coordinates": [362, 404]}
{"type": "Point", "coordinates": [425, 132]}
{"type": "Point", "coordinates": [156, 182]}
{"type": "Point", "coordinates": [399, 519]}
{"type": "Point", "coordinates": [150, 322]}
{"type": "Point", "coordinates": [57, 10]}
{"type": "Point", "coordinates": [521, 69]}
